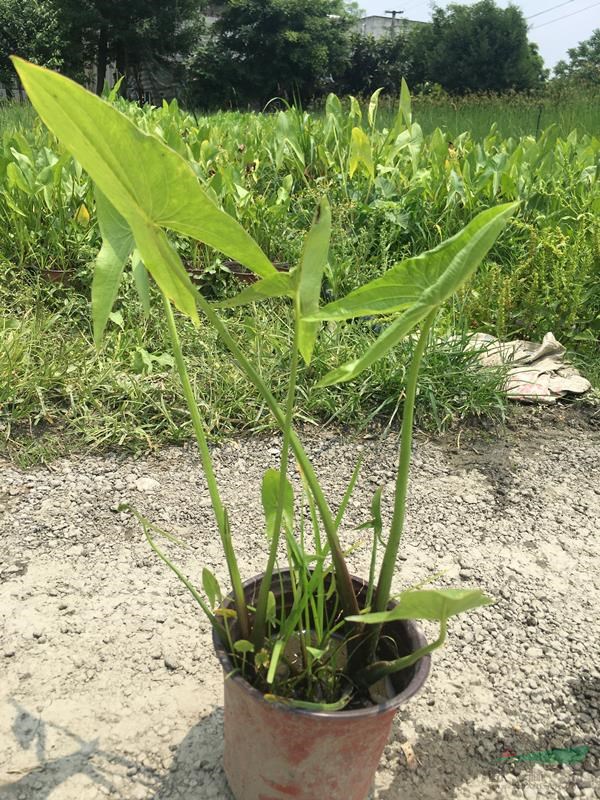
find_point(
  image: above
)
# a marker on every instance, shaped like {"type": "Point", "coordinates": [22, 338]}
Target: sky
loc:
{"type": "Point", "coordinates": [553, 35]}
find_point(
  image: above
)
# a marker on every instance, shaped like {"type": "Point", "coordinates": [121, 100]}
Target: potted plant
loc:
{"type": "Point", "coordinates": [316, 661]}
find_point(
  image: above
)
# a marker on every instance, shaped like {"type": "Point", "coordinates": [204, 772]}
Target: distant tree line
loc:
{"type": "Point", "coordinates": [295, 49]}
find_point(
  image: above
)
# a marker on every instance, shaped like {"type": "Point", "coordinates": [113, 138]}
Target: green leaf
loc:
{"type": "Point", "coordinates": [430, 278]}
{"type": "Point", "coordinates": [211, 587]}
{"type": "Point", "coordinates": [374, 105]}
{"type": "Point", "coordinates": [348, 493]}
{"type": "Point", "coordinates": [117, 318]}
{"type": "Point", "coordinates": [421, 285]}
{"type": "Point", "coordinates": [310, 277]}
{"type": "Point", "coordinates": [148, 183]}
{"type": "Point", "coordinates": [271, 615]}
{"type": "Point", "coordinates": [140, 278]}
{"type": "Point", "coordinates": [360, 153]}
{"type": "Point", "coordinates": [434, 604]}
{"type": "Point", "coordinates": [243, 646]}
{"type": "Point", "coordinates": [117, 245]}
{"type": "Point", "coordinates": [405, 104]}
{"type": "Point", "coordinates": [270, 498]}
{"type": "Point", "coordinates": [279, 285]}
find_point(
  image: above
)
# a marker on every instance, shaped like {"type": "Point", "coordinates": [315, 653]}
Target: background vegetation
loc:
{"type": "Point", "coordinates": [396, 189]}
{"type": "Point", "coordinates": [259, 49]}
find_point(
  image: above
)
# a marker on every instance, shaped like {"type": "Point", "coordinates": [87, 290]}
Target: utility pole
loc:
{"type": "Point", "coordinates": [394, 15]}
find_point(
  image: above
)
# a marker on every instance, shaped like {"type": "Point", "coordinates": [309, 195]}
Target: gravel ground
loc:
{"type": "Point", "coordinates": [109, 685]}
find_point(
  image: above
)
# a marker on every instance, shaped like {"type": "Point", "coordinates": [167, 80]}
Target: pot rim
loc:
{"type": "Point", "coordinates": [422, 669]}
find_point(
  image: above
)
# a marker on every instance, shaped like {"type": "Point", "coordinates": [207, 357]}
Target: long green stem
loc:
{"type": "Point", "coordinates": [375, 672]}
{"type": "Point", "coordinates": [388, 566]}
{"type": "Point", "coordinates": [258, 634]}
{"type": "Point", "coordinates": [342, 576]}
{"type": "Point", "coordinates": [220, 513]}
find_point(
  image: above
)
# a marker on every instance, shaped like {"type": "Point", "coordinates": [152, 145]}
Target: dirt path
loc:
{"type": "Point", "coordinates": [109, 685]}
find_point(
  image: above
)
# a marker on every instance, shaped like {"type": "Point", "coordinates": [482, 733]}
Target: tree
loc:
{"type": "Point", "coordinates": [584, 61]}
{"type": "Point", "coordinates": [29, 28]}
{"type": "Point", "coordinates": [259, 49]}
{"type": "Point", "coordinates": [476, 48]}
{"type": "Point", "coordinates": [375, 63]}
{"type": "Point", "coordinates": [133, 35]}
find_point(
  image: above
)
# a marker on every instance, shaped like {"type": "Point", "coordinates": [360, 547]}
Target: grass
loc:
{"type": "Point", "coordinates": [514, 115]}
{"type": "Point", "coordinates": [57, 392]}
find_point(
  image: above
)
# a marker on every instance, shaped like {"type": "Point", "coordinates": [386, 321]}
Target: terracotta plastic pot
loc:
{"type": "Point", "coordinates": [246, 276]}
{"type": "Point", "coordinates": [61, 276]}
{"type": "Point", "coordinates": [274, 752]}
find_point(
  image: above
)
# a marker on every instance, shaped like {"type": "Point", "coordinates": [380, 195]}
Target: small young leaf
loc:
{"type": "Point", "coordinates": [211, 587]}
{"type": "Point", "coordinates": [117, 318]}
{"type": "Point", "coordinates": [270, 499]}
{"type": "Point", "coordinates": [374, 105]}
{"type": "Point", "coordinates": [310, 277]}
{"type": "Point", "coordinates": [405, 104]}
{"type": "Point", "coordinates": [271, 615]}
{"type": "Point", "coordinates": [243, 646]}
{"type": "Point", "coordinates": [117, 245]}
{"type": "Point", "coordinates": [82, 216]}
{"type": "Point", "coordinates": [140, 277]}
{"type": "Point", "coordinates": [360, 153]}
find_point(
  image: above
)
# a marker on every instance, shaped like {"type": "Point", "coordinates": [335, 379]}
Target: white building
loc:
{"type": "Point", "coordinates": [379, 27]}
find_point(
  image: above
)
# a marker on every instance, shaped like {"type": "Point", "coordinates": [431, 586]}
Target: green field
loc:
{"type": "Point", "coordinates": [399, 182]}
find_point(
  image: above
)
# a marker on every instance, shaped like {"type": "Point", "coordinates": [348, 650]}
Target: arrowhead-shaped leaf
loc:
{"type": "Point", "coordinates": [147, 182]}
{"type": "Point", "coordinates": [434, 604]}
{"type": "Point", "coordinates": [360, 153]}
{"type": "Point", "coordinates": [420, 285]}
{"type": "Point", "coordinates": [429, 278]}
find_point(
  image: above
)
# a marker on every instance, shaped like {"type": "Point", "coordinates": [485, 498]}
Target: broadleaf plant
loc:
{"type": "Point", "coordinates": [322, 652]}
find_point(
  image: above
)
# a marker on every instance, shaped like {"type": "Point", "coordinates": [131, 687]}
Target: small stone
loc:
{"type": "Point", "coordinates": [171, 662]}
{"type": "Point", "coordinates": [534, 652]}
{"type": "Point", "coordinates": [9, 653]}
{"type": "Point", "coordinates": [529, 793]}
{"type": "Point", "coordinates": [471, 499]}
{"type": "Point", "coordinates": [147, 485]}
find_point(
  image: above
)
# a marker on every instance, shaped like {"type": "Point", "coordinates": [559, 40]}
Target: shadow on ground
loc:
{"type": "Point", "coordinates": [457, 756]}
